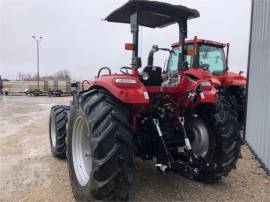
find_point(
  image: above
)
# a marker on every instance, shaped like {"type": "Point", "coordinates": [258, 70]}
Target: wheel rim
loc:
{"type": "Point", "coordinates": [81, 151]}
{"type": "Point", "coordinates": [199, 138]}
{"type": "Point", "coordinates": [53, 132]}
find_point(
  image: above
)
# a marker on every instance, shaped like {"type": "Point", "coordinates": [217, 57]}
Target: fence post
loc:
{"type": "Point", "coordinates": [68, 87]}
{"type": "Point", "coordinates": [46, 86]}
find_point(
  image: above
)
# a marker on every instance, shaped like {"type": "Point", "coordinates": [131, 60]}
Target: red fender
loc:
{"type": "Point", "coordinates": [126, 88]}
{"type": "Point", "coordinates": [239, 82]}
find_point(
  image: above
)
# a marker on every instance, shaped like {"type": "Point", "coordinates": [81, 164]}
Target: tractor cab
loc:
{"type": "Point", "coordinates": [207, 55]}
{"type": "Point", "coordinates": [204, 54]}
{"type": "Point", "coordinates": [198, 54]}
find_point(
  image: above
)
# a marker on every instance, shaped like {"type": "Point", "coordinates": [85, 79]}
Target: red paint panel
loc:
{"type": "Point", "coordinates": [127, 93]}
{"type": "Point", "coordinates": [232, 79]}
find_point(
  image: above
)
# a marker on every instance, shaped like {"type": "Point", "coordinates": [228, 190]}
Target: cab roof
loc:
{"type": "Point", "coordinates": [200, 41]}
{"type": "Point", "coordinates": [152, 14]}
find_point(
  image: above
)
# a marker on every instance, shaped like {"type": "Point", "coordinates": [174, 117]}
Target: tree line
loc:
{"type": "Point", "coordinates": [63, 75]}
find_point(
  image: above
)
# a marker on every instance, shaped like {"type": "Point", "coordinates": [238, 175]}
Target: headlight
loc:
{"type": "Point", "coordinates": [145, 76]}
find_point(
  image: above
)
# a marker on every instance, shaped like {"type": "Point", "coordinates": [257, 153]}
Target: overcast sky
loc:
{"type": "Point", "coordinates": [76, 39]}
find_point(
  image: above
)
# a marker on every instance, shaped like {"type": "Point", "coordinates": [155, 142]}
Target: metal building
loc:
{"type": "Point", "coordinates": [1, 86]}
{"type": "Point", "coordinates": [258, 108]}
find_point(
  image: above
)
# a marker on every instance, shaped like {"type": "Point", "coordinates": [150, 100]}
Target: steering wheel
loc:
{"type": "Point", "coordinates": [124, 70]}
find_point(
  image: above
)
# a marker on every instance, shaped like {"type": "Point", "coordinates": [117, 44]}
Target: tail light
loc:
{"type": "Point", "coordinates": [126, 82]}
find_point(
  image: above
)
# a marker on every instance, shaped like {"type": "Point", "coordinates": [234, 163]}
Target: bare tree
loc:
{"type": "Point", "coordinates": [24, 76]}
{"type": "Point", "coordinates": [63, 75]}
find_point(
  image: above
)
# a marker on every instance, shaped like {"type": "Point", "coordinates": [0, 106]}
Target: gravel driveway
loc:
{"type": "Point", "coordinates": [28, 172]}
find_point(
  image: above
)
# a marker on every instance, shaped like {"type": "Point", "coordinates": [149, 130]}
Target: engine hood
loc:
{"type": "Point", "coordinates": [232, 79]}
{"type": "Point", "coordinates": [225, 79]}
{"type": "Point", "coordinates": [198, 73]}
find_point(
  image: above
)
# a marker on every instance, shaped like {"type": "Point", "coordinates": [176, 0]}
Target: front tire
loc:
{"type": "Point", "coordinates": [100, 149]}
{"type": "Point", "coordinates": [57, 130]}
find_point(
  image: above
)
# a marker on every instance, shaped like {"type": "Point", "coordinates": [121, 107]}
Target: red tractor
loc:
{"type": "Point", "coordinates": [177, 118]}
{"type": "Point", "coordinates": [210, 55]}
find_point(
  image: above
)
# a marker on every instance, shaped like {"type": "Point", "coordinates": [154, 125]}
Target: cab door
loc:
{"type": "Point", "coordinates": [173, 62]}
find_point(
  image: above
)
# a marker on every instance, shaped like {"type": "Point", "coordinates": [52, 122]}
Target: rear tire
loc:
{"type": "Point", "coordinates": [237, 99]}
{"type": "Point", "coordinates": [109, 168]}
{"type": "Point", "coordinates": [57, 130]}
{"type": "Point", "coordinates": [225, 141]}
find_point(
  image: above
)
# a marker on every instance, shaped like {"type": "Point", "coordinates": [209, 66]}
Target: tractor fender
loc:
{"type": "Point", "coordinates": [127, 89]}
{"type": "Point", "coordinates": [239, 82]}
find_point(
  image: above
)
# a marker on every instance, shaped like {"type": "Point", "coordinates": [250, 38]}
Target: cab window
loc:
{"type": "Point", "coordinates": [174, 58]}
{"type": "Point", "coordinates": [212, 57]}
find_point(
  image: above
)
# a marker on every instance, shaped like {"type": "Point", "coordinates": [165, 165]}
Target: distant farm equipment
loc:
{"type": "Point", "coordinates": [30, 88]}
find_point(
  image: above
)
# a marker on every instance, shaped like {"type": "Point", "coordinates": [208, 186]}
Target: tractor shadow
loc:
{"type": "Point", "coordinates": [152, 185]}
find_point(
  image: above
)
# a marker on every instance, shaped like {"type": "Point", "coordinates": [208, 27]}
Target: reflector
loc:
{"type": "Point", "coordinates": [129, 46]}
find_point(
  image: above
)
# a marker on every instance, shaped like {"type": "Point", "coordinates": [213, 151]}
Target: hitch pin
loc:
{"type": "Point", "coordinates": [182, 122]}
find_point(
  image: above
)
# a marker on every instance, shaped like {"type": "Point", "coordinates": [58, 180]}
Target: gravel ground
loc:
{"type": "Point", "coordinates": [28, 172]}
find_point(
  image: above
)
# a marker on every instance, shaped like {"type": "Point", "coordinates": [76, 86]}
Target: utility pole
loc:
{"type": "Point", "coordinates": [37, 40]}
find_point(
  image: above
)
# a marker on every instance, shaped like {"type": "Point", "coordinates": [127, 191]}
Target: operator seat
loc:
{"type": "Point", "coordinates": [154, 74]}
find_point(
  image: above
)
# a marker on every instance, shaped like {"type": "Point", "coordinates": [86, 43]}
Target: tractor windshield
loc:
{"type": "Point", "coordinates": [211, 57]}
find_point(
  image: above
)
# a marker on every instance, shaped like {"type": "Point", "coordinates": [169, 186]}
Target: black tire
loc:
{"type": "Point", "coordinates": [111, 136]}
{"type": "Point", "coordinates": [225, 141]}
{"type": "Point", "coordinates": [59, 117]}
{"type": "Point", "coordinates": [237, 98]}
